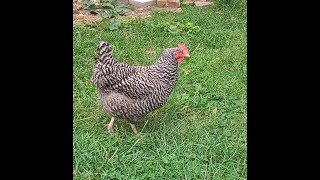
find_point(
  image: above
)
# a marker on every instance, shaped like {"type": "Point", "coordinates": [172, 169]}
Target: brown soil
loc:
{"type": "Point", "coordinates": [80, 18]}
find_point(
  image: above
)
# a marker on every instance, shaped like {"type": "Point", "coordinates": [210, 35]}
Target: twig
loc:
{"type": "Point", "coordinates": [113, 155]}
{"type": "Point", "coordinates": [83, 119]}
{"type": "Point", "coordinates": [105, 151]}
{"type": "Point", "coordinates": [195, 48]}
{"type": "Point", "coordinates": [133, 145]}
{"type": "Point", "coordinates": [144, 125]}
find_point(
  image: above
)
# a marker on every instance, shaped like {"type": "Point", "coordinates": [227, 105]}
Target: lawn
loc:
{"type": "Point", "coordinates": [201, 132]}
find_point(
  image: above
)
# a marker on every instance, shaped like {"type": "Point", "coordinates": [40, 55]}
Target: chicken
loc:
{"type": "Point", "coordinates": [130, 92]}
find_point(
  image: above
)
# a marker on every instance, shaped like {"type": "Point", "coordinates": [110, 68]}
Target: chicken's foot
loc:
{"type": "Point", "coordinates": [133, 127]}
{"type": "Point", "coordinates": [110, 125]}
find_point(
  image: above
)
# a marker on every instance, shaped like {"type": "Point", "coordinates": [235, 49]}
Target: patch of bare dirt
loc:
{"type": "Point", "coordinates": [82, 19]}
{"type": "Point", "coordinates": [166, 9]}
{"type": "Point", "coordinates": [79, 18]}
{"type": "Point", "coordinates": [139, 13]}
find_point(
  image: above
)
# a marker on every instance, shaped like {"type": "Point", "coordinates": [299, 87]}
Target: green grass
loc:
{"type": "Point", "coordinates": [184, 139]}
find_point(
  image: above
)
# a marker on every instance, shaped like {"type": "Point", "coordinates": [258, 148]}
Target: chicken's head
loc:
{"type": "Point", "coordinates": [181, 53]}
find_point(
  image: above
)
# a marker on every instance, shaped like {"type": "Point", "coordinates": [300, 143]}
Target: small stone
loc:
{"type": "Point", "coordinates": [123, 1]}
{"type": "Point", "coordinates": [141, 3]}
{"type": "Point", "coordinates": [202, 4]}
{"type": "Point", "coordinates": [161, 3]}
{"type": "Point", "coordinates": [97, 1]}
{"type": "Point", "coordinates": [173, 3]}
{"type": "Point", "coordinates": [187, 2]}
{"type": "Point", "coordinates": [157, 9]}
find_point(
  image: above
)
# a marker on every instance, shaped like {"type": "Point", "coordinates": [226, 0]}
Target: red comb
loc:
{"type": "Point", "coordinates": [183, 47]}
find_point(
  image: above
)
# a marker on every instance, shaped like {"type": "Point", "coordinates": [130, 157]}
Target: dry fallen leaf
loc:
{"type": "Point", "coordinates": [214, 111]}
{"type": "Point", "coordinates": [149, 51]}
{"type": "Point", "coordinates": [186, 72]}
{"type": "Point", "coordinates": [230, 62]}
{"type": "Point", "coordinates": [232, 69]}
{"type": "Point", "coordinates": [184, 107]}
{"type": "Point", "coordinates": [204, 117]}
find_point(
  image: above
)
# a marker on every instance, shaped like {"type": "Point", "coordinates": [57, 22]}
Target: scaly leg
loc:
{"type": "Point", "coordinates": [110, 125]}
{"type": "Point", "coordinates": [133, 127]}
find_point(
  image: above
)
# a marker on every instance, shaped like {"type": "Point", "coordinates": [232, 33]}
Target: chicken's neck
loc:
{"type": "Point", "coordinates": [166, 69]}
{"type": "Point", "coordinates": [167, 59]}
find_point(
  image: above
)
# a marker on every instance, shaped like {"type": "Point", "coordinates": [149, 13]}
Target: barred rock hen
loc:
{"type": "Point", "coordinates": [130, 92]}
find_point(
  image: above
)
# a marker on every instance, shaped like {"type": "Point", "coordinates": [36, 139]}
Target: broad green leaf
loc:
{"type": "Point", "coordinates": [114, 24]}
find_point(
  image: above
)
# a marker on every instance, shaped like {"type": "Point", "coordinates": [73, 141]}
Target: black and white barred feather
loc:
{"type": "Point", "coordinates": [130, 92]}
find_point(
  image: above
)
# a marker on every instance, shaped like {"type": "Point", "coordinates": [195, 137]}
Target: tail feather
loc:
{"type": "Point", "coordinates": [105, 53]}
{"type": "Point", "coordinates": [108, 73]}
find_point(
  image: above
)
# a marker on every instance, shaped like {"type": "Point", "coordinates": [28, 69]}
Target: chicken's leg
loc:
{"type": "Point", "coordinates": [110, 125]}
{"type": "Point", "coordinates": [133, 127]}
